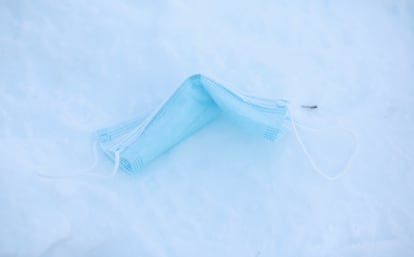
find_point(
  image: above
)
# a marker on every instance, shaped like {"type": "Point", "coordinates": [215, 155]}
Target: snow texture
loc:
{"type": "Point", "coordinates": [68, 68]}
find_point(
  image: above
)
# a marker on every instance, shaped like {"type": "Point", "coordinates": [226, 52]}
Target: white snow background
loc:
{"type": "Point", "coordinates": [68, 68]}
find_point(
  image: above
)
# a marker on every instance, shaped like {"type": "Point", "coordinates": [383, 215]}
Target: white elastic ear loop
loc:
{"type": "Point", "coordinates": [86, 171]}
{"type": "Point", "coordinates": [309, 156]}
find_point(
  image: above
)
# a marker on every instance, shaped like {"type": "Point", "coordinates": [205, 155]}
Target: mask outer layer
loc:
{"type": "Point", "coordinates": [197, 102]}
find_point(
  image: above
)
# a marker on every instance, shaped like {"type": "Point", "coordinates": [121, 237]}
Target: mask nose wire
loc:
{"type": "Point", "coordinates": [305, 150]}
{"type": "Point", "coordinates": [86, 171]}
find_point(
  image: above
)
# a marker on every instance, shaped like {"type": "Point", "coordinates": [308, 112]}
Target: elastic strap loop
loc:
{"type": "Point", "coordinates": [86, 171]}
{"type": "Point", "coordinates": [315, 167]}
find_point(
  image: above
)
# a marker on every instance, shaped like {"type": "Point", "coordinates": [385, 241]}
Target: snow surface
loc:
{"type": "Point", "coordinates": [68, 68]}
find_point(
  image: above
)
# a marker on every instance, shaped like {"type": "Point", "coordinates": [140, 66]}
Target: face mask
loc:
{"type": "Point", "coordinates": [196, 103]}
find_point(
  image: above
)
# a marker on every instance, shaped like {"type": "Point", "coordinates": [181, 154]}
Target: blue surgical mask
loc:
{"type": "Point", "coordinates": [196, 103]}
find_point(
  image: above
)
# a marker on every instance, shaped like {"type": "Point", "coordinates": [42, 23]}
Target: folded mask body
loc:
{"type": "Point", "coordinates": [197, 102]}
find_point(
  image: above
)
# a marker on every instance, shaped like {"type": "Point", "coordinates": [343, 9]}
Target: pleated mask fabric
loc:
{"type": "Point", "coordinates": [197, 102]}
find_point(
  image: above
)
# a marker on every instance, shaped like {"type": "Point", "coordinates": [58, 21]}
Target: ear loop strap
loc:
{"type": "Point", "coordinates": [305, 150]}
{"type": "Point", "coordinates": [87, 171]}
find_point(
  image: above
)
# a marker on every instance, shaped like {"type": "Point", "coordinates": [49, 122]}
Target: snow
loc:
{"type": "Point", "coordinates": [68, 68]}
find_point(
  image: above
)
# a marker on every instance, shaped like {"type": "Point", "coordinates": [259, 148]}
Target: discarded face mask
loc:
{"type": "Point", "coordinates": [197, 102]}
